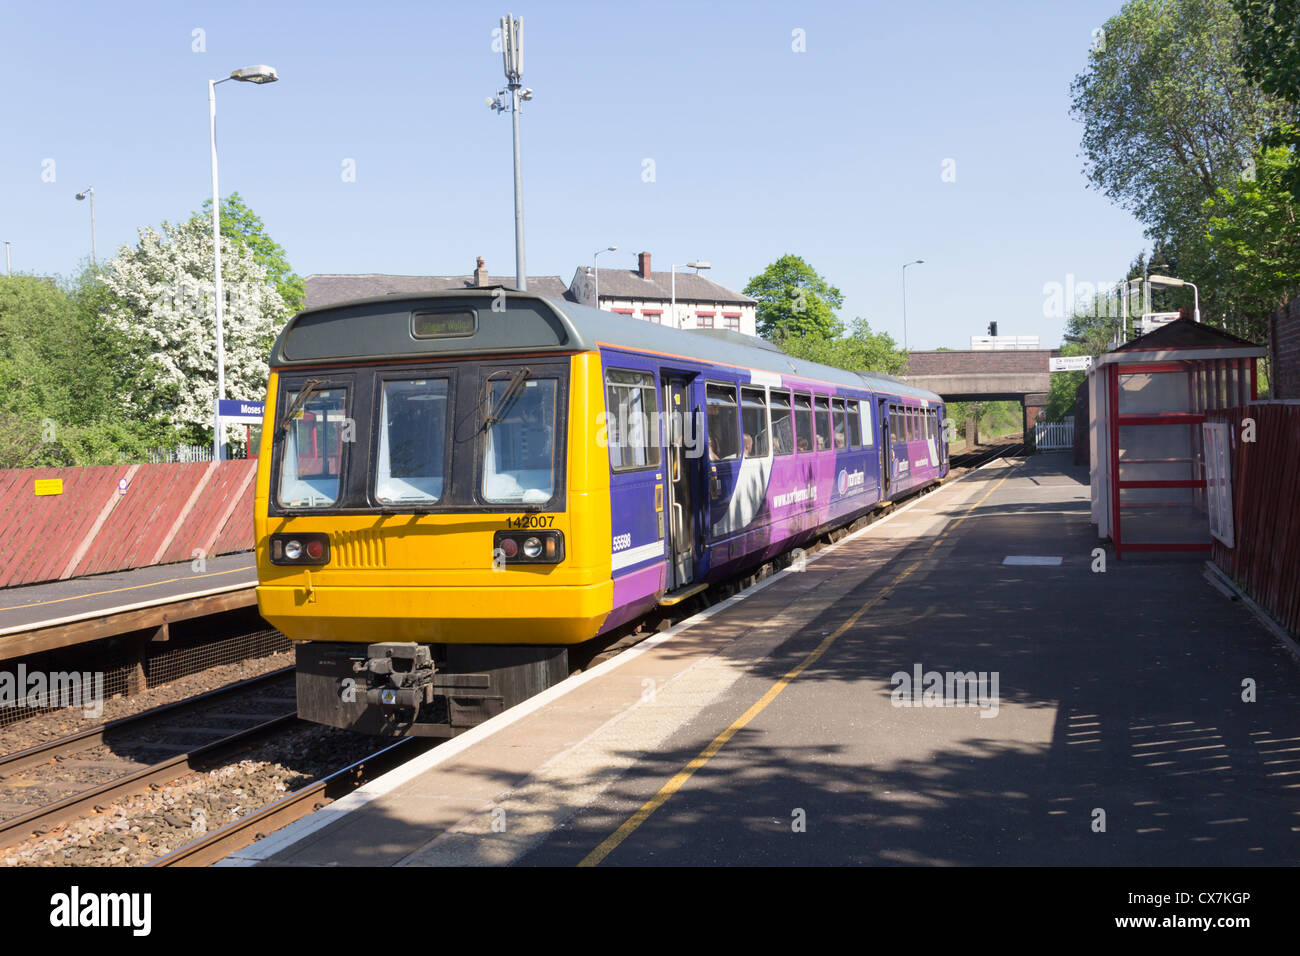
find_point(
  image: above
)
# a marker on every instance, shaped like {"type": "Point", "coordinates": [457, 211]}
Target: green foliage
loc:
{"type": "Point", "coordinates": [1060, 397]}
{"type": "Point", "coordinates": [62, 370]}
{"type": "Point", "coordinates": [795, 302]}
{"type": "Point", "coordinates": [1253, 226]}
{"type": "Point", "coordinates": [245, 228]}
{"type": "Point", "coordinates": [1170, 117]}
{"type": "Point", "coordinates": [859, 350]}
{"type": "Point", "coordinates": [1270, 56]}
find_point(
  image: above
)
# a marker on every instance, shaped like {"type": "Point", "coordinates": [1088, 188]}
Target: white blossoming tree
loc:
{"type": "Point", "coordinates": [161, 301]}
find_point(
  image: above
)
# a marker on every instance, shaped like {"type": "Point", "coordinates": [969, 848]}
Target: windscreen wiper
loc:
{"type": "Point", "coordinates": [508, 396]}
{"type": "Point", "coordinates": [308, 389]}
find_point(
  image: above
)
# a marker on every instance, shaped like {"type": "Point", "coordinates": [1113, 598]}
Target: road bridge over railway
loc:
{"type": "Point", "coordinates": [966, 375]}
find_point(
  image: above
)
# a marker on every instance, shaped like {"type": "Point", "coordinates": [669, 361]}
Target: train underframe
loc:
{"type": "Point", "coordinates": [401, 689]}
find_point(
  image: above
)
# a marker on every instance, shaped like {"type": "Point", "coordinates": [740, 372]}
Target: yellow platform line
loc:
{"type": "Point", "coordinates": [611, 842]}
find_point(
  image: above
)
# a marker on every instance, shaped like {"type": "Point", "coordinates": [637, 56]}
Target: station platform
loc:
{"type": "Point", "coordinates": [776, 728]}
{"type": "Point", "coordinates": [58, 613]}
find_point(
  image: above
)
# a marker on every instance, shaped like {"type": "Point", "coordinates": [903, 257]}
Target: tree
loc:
{"type": "Point", "coordinates": [859, 350]}
{"type": "Point", "coordinates": [245, 229]}
{"type": "Point", "coordinates": [1170, 118]}
{"type": "Point", "coordinates": [1253, 226]}
{"type": "Point", "coordinates": [794, 301]}
{"type": "Point", "coordinates": [160, 300]}
{"type": "Point", "coordinates": [1270, 57]}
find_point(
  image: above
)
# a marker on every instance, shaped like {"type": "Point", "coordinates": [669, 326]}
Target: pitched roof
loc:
{"type": "Point", "coordinates": [1183, 334]}
{"type": "Point", "coordinates": [628, 284]}
{"type": "Point", "coordinates": [325, 290]}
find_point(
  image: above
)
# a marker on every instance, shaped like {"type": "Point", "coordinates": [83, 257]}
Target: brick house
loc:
{"type": "Point", "coordinates": [644, 294]}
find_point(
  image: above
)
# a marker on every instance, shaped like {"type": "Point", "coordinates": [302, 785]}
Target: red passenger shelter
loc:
{"type": "Point", "coordinates": [1148, 401]}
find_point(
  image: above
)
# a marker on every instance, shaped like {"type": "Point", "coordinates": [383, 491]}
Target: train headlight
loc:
{"type": "Point", "coordinates": [538, 547]}
{"type": "Point", "coordinates": [309, 547]}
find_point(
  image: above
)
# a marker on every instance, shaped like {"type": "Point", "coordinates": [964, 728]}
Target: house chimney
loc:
{"type": "Point", "coordinates": [644, 264]}
{"type": "Point", "coordinates": [480, 274]}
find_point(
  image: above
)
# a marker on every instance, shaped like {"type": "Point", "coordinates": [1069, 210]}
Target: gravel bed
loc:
{"type": "Point", "coordinates": [137, 830]}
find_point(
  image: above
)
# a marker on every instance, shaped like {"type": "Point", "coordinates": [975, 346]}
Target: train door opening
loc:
{"type": "Point", "coordinates": [886, 449]}
{"type": "Point", "coordinates": [685, 447]}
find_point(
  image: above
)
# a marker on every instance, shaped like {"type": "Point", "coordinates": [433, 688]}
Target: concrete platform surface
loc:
{"type": "Point", "coordinates": [1131, 716]}
{"type": "Point", "coordinates": [55, 602]}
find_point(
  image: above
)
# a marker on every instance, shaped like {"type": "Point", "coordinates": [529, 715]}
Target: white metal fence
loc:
{"type": "Point", "coordinates": [1050, 435]}
{"type": "Point", "coordinates": [162, 456]}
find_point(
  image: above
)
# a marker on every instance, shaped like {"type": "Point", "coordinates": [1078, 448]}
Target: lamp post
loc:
{"type": "Point", "coordinates": [595, 269]}
{"type": "Point", "coordinates": [250, 74]}
{"type": "Point", "coordinates": [914, 262]}
{"type": "Point", "coordinates": [1171, 282]}
{"type": "Point", "coordinates": [9, 266]}
{"type": "Point", "coordinates": [512, 54]}
{"type": "Point", "coordinates": [697, 265]}
{"type": "Point", "coordinates": [94, 257]}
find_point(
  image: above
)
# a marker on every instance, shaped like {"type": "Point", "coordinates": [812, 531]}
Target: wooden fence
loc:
{"type": "Point", "coordinates": [58, 523]}
{"type": "Point", "coordinates": [1265, 558]}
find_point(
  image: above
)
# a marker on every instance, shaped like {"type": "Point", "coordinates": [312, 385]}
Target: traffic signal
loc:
{"type": "Point", "coordinates": [993, 329]}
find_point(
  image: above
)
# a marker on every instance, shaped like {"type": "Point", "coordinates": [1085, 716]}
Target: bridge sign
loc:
{"type": "Point", "coordinates": [1070, 363]}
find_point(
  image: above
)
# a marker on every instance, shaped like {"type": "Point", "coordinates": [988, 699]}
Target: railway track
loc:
{"type": "Point", "coordinates": [247, 830]}
{"type": "Point", "coordinates": [226, 721]}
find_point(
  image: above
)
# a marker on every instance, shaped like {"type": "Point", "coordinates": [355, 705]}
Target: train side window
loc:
{"type": "Point", "coordinates": [911, 423]}
{"type": "Point", "coordinates": [311, 463]}
{"type": "Point", "coordinates": [803, 422]}
{"type": "Point", "coordinates": [631, 419]}
{"type": "Point", "coordinates": [753, 422]}
{"type": "Point", "coordinates": [841, 424]}
{"type": "Point", "coordinates": [724, 438]}
{"type": "Point", "coordinates": [855, 426]}
{"type": "Point", "coordinates": [411, 465]}
{"type": "Point", "coordinates": [823, 413]}
{"type": "Point", "coordinates": [782, 424]}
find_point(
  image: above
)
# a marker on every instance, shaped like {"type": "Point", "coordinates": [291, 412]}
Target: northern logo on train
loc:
{"type": "Point", "coordinates": [845, 481]}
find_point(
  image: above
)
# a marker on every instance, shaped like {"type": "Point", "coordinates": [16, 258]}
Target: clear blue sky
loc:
{"type": "Point", "coordinates": [834, 154]}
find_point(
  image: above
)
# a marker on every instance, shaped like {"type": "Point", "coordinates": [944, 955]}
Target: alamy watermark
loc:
{"type": "Point", "coordinates": [922, 688]}
{"type": "Point", "coordinates": [46, 690]}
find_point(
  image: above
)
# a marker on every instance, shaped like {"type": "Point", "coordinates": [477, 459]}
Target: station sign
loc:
{"type": "Point", "coordinates": [1070, 363]}
{"type": "Point", "coordinates": [238, 410]}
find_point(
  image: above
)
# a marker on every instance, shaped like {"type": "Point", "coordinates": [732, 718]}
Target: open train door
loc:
{"type": "Point", "coordinates": [886, 448]}
{"type": "Point", "coordinates": [685, 448]}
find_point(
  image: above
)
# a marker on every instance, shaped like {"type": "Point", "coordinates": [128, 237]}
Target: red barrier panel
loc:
{"type": "Point", "coordinates": [1265, 561]}
{"type": "Point", "coordinates": [117, 517]}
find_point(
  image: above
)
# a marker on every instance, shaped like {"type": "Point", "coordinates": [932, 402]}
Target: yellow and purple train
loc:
{"type": "Point", "coordinates": [455, 488]}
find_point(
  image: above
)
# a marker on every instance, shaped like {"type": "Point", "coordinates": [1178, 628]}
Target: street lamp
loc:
{"type": "Point", "coordinates": [697, 265]}
{"type": "Point", "coordinates": [595, 269]}
{"type": "Point", "coordinates": [9, 266]}
{"type": "Point", "coordinates": [94, 258]}
{"type": "Point", "coordinates": [512, 54]}
{"type": "Point", "coordinates": [1171, 282]}
{"type": "Point", "coordinates": [250, 74]}
{"type": "Point", "coordinates": [914, 262]}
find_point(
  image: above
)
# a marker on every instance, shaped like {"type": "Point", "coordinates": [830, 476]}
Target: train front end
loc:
{"type": "Point", "coordinates": [429, 522]}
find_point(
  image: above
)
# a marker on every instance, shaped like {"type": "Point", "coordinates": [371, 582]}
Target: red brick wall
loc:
{"type": "Point", "coordinates": [115, 517]}
{"type": "Point", "coordinates": [1284, 351]}
{"type": "Point", "coordinates": [957, 362]}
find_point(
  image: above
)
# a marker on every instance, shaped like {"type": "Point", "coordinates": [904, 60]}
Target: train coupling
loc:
{"type": "Point", "coordinates": [401, 675]}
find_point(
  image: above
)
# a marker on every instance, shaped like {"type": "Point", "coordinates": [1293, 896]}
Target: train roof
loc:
{"type": "Point", "coordinates": [503, 320]}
